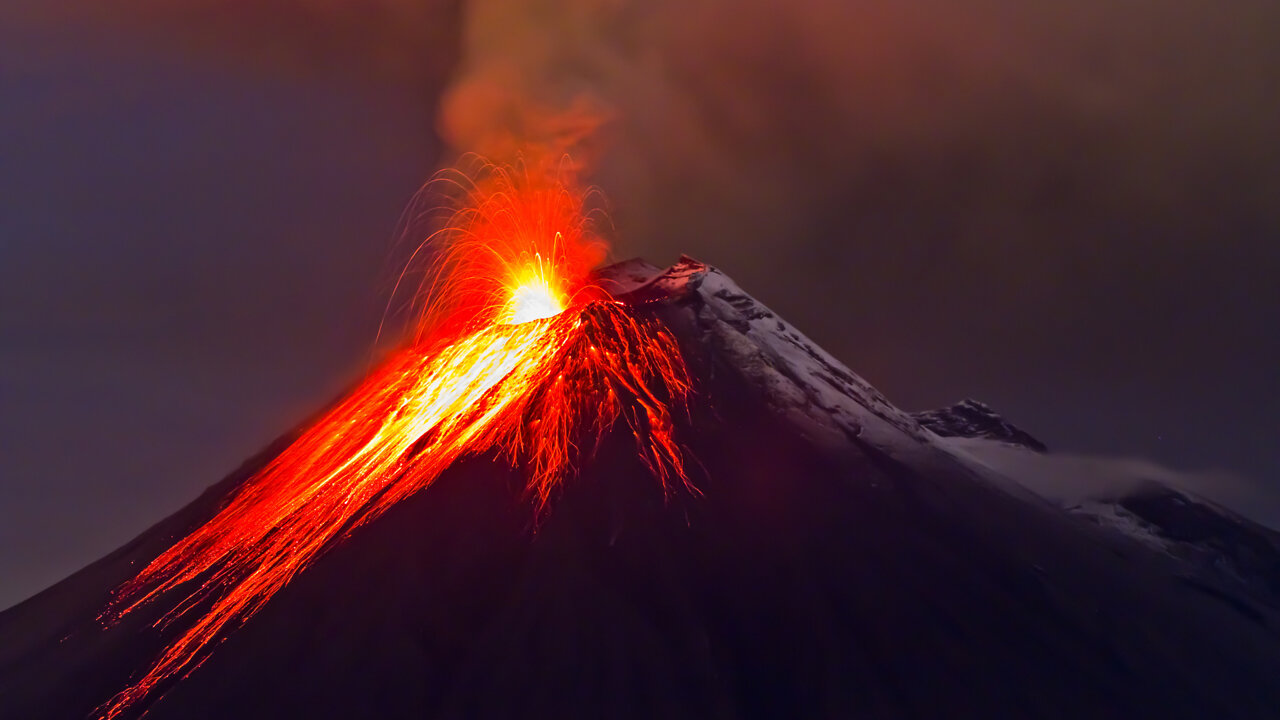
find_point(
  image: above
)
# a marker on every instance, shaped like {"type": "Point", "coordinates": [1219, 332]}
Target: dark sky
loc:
{"type": "Point", "coordinates": [1074, 217]}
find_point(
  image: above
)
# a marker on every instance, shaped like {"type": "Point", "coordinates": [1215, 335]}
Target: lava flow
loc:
{"type": "Point", "coordinates": [519, 353]}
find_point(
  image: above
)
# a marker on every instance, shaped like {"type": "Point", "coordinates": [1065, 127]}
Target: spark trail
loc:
{"type": "Point", "coordinates": [519, 353]}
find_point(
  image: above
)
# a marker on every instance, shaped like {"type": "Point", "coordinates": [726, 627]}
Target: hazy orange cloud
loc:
{"type": "Point", "coordinates": [398, 40]}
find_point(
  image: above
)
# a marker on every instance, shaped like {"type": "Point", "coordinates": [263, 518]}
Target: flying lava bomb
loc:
{"type": "Point", "coordinates": [517, 350]}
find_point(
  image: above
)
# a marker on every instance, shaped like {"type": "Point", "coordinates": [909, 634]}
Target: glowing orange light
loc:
{"type": "Point", "coordinates": [518, 349]}
{"type": "Point", "coordinates": [534, 297]}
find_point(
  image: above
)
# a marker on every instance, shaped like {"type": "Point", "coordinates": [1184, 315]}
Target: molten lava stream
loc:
{"type": "Point", "coordinates": [519, 363]}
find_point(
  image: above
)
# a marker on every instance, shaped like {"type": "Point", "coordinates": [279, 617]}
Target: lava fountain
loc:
{"type": "Point", "coordinates": [516, 351]}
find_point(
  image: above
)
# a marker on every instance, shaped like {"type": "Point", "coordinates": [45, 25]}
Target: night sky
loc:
{"type": "Point", "coordinates": [1073, 215]}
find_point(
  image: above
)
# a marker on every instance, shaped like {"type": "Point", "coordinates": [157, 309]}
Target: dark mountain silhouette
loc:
{"type": "Point", "coordinates": [840, 561]}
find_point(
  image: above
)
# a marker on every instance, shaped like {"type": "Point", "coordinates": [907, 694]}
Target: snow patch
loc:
{"type": "Point", "coordinates": [1071, 480]}
{"type": "Point", "coordinates": [800, 378]}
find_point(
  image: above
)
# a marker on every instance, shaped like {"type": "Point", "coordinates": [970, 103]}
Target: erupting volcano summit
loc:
{"type": "Point", "coordinates": [636, 492]}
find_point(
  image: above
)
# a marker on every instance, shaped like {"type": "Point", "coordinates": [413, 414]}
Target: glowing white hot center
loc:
{"type": "Point", "coordinates": [533, 301]}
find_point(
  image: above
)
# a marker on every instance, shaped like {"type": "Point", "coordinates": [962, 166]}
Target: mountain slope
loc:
{"type": "Point", "coordinates": [840, 560]}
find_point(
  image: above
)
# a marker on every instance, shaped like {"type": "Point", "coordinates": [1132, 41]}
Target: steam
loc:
{"type": "Point", "coordinates": [693, 112]}
{"type": "Point", "coordinates": [532, 75]}
{"type": "Point", "coordinates": [399, 41]}
{"type": "Point", "coordinates": [1091, 174]}
{"type": "Point", "coordinates": [1070, 480]}
{"type": "Point", "coordinates": [987, 114]}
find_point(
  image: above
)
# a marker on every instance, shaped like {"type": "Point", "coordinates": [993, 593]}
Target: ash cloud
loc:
{"type": "Point", "coordinates": [992, 111]}
{"type": "Point", "coordinates": [1070, 480]}
{"type": "Point", "coordinates": [399, 41]}
{"type": "Point", "coordinates": [1066, 209]}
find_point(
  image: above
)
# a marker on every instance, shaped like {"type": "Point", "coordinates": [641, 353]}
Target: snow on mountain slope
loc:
{"type": "Point", "coordinates": [799, 379]}
{"type": "Point", "coordinates": [838, 559]}
{"type": "Point", "coordinates": [1218, 525]}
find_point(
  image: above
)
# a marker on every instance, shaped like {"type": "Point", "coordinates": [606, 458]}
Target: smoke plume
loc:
{"type": "Point", "coordinates": [1080, 195]}
{"type": "Point", "coordinates": [777, 113]}
{"type": "Point", "coordinates": [403, 41]}
{"type": "Point", "coordinates": [979, 195]}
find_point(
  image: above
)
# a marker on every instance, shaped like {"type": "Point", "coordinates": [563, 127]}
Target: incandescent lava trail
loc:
{"type": "Point", "coordinates": [518, 352]}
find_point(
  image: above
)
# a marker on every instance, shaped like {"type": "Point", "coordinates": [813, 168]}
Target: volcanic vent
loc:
{"type": "Point", "coordinates": [786, 543]}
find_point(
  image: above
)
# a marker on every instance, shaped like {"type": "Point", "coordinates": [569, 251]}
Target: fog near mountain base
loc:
{"type": "Point", "coordinates": [1069, 479]}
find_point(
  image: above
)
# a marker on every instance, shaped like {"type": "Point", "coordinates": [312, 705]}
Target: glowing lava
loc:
{"type": "Point", "coordinates": [520, 353]}
{"type": "Point", "coordinates": [534, 300]}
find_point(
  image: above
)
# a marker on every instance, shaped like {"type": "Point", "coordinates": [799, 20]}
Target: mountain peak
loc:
{"type": "Point", "coordinates": [973, 419]}
{"type": "Point", "coordinates": [837, 559]}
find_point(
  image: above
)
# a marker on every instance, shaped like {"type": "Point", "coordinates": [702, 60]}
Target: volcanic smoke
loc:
{"type": "Point", "coordinates": [516, 351]}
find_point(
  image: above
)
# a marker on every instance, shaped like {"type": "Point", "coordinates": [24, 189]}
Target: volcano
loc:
{"type": "Point", "coordinates": [830, 556]}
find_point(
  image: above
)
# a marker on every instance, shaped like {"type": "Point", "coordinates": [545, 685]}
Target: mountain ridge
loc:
{"type": "Point", "coordinates": [839, 558]}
